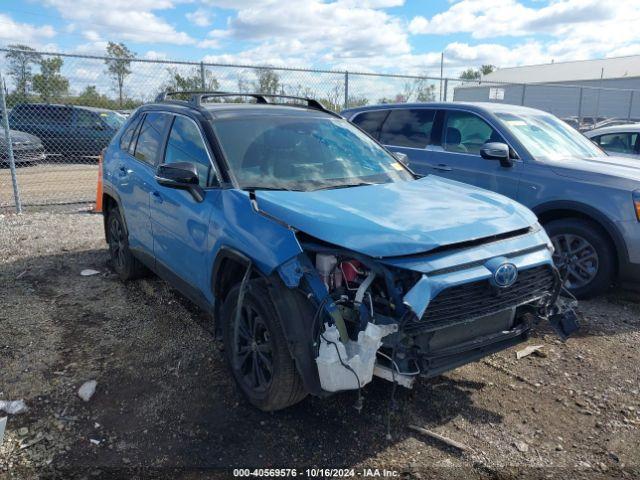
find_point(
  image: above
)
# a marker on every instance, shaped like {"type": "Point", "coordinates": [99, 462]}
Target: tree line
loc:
{"type": "Point", "coordinates": [49, 84]}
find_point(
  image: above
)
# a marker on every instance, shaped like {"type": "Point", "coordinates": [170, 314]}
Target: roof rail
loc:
{"type": "Point", "coordinates": [197, 97]}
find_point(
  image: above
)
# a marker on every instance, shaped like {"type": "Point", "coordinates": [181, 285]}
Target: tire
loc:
{"type": "Point", "coordinates": [124, 263]}
{"type": "Point", "coordinates": [584, 255]}
{"type": "Point", "coordinates": [262, 345]}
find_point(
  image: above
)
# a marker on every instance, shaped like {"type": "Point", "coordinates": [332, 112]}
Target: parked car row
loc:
{"type": "Point", "coordinates": [64, 132]}
{"type": "Point", "coordinates": [27, 149]}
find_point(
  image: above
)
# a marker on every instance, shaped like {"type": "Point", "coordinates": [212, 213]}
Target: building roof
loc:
{"type": "Point", "coordinates": [616, 67]}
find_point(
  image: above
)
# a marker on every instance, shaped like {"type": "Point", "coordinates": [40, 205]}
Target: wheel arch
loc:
{"type": "Point", "coordinates": [568, 209]}
{"type": "Point", "coordinates": [110, 198]}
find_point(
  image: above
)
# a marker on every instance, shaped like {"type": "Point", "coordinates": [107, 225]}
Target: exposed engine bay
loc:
{"type": "Point", "coordinates": [373, 318]}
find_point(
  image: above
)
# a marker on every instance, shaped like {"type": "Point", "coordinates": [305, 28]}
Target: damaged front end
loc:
{"type": "Point", "coordinates": [421, 314]}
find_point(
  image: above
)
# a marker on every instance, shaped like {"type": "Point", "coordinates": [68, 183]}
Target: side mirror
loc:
{"type": "Point", "coordinates": [180, 175]}
{"type": "Point", "coordinates": [402, 158]}
{"type": "Point", "coordinates": [496, 151]}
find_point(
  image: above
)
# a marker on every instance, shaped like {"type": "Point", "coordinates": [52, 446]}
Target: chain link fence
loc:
{"type": "Point", "coordinates": [61, 110]}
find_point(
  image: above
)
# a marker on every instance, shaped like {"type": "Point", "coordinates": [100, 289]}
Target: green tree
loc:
{"type": "Point", "coordinates": [191, 81]}
{"type": "Point", "coordinates": [487, 69]}
{"type": "Point", "coordinates": [20, 59]}
{"type": "Point", "coordinates": [118, 65]}
{"type": "Point", "coordinates": [49, 83]}
{"type": "Point", "coordinates": [470, 74]}
{"type": "Point", "coordinates": [90, 97]}
{"type": "Point", "coordinates": [267, 81]}
{"type": "Point", "coordinates": [477, 74]}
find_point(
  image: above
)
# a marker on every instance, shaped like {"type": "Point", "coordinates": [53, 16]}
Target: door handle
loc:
{"type": "Point", "coordinates": [123, 171]}
{"type": "Point", "coordinates": [443, 167]}
{"type": "Point", "coordinates": [156, 196]}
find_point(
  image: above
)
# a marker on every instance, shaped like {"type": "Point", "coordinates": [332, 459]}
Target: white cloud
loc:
{"type": "Point", "coordinates": [15, 32]}
{"type": "Point", "coordinates": [200, 17]}
{"type": "Point", "coordinates": [123, 20]}
{"type": "Point", "coordinates": [154, 55]}
{"type": "Point", "coordinates": [342, 29]}
{"type": "Point", "coordinates": [495, 18]}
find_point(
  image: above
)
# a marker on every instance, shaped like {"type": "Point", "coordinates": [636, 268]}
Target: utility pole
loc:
{"type": "Point", "coordinates": [441, 72]}
{"type": "Point", "coordinates": [595, 119]}
{"type": "Point", "coordinates": [7, 137]}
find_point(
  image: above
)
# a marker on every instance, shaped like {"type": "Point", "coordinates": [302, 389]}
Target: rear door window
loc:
{"type": "Point", "coordinates": [151, 137]}
{"type": "Point", "coordinates": [408, 128]}
{"type": "Point", "coordinates": [623, 142]}
{"type": "Point", "coordinates": [465, 132]}
{"type": "Point", "coordinates": [371, 122]}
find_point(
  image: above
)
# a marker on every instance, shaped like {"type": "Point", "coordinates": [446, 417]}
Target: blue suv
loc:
{"type": "Point", "coordinates": [321, 257]}
{"type": "Point", "coordinates": [588, 202]}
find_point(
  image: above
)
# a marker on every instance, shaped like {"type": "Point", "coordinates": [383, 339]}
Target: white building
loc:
{"type": "Point", "coordinates": [608, 87]}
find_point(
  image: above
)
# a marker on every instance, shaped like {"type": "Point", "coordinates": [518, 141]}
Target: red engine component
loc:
{"type": "Point", "coordinates": [350, 270]}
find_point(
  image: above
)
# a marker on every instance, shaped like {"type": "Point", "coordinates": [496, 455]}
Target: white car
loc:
{"type": "Point", "coordinates": [621, 140]}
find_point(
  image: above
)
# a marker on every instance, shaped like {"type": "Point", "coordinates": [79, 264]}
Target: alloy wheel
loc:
{"type": "Point", "coordinates": [576, 258]}
{"type": "Point", "coordinates": [117, 242]}
{"type": "Point", "coordinates": [253, 352]}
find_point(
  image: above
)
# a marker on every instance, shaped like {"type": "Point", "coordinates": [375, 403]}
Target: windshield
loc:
{"type": "Point", "coordinates": [547, 137]}
{"type": "Point", "coordinates": [113, 119]}
{"type": "Point", "coordinates": [303, 153]}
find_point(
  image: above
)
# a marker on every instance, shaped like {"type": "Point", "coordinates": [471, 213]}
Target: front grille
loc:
{"type": "Point", "coordinates": [464, 303]}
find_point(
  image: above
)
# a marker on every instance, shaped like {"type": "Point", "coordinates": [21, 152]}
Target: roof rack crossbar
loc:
{"type": "Point", "coordinates": [197, 97]}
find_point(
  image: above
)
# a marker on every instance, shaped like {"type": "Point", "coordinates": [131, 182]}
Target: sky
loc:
{"type": "Point", "coordinates": [402, 36]}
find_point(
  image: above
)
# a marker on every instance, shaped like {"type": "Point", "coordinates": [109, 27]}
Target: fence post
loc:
{"type": "Point", "coordinates": [580, 106]}
{"type": "Point", "coordinates": [524, 91]}
{"type": "Point", "coordinates": [346, 89]}
{"type": "Point", "coordinates": [7, 138]}
{"type": "Point", "coordinates": [630, 104]}
{"type": "Point", "coordinates": [202, 80]}
{"type": "Point", "coordinates": [446, 85]}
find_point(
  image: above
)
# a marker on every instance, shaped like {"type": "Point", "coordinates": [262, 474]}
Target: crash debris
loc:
{"type": "Point", "coordinates": [349, 366]}
{"type": "Point", "coordinates": [528, 350]}
{"type": "Point", "coordinates": [88, 272]}
{"type": "Point", "coordinates": [86, 391]}
{"type": "Point", "coordinates": [441, 438]}
{"type": "Point", "coordinates": [13, 407]}
{"type": "Point", "coordinates": [3, 426]}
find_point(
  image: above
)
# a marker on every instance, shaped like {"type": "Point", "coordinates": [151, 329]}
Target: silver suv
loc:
{"type": "Point", "coordinates": [588, 201]}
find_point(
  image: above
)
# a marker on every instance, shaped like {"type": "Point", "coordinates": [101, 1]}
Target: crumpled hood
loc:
{"type": "Point", "coordinates": [582, 168]}
{"type": "Point", "coordinates": [400, 218]}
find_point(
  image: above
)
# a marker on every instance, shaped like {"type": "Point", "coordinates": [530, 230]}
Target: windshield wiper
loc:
{"type": "Point", "coordinates": [260, 187]}
{"type": "Point", "coordinates": [345, 185]}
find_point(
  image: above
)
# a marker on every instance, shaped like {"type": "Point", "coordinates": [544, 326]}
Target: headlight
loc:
{"type": "Point", "coordinates": [636, 203]}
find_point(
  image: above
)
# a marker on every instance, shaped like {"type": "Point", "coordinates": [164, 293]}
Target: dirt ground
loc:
{"type": "Point", "coordinates": [49, 183]}
{"type": "Point", "coordinates": [165, 405]}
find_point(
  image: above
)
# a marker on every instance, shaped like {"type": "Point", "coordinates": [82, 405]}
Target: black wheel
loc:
{"type": "Point", "coordinates": [257, 352]}
{"type": "Point", "coordinates": [124, 263]}
{"type": "Point", "coordinates": [583, 254]}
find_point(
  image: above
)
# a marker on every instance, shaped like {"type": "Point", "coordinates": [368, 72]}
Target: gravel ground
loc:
{"type": "Point", "coordinates": [165, 405]}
